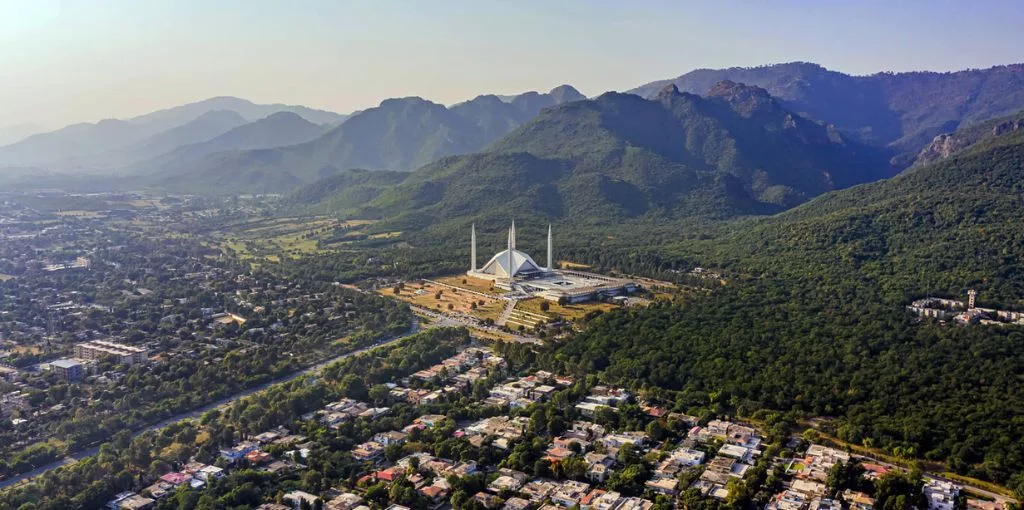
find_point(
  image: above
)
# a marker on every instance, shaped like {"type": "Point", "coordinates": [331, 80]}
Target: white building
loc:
{"type": "Point", "coordinates": [517, 271]}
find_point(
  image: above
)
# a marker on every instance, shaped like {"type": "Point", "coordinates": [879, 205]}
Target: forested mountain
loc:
{"type": "Point", "coordinates": [276, 130]}
{"type": "Point", "coordinates": [813, 318]}
{"type": "Point", "coordinates": [733, 152]}
{"type": "Point", "coordinates": [346, 191]}
{"type": "Point", "coordinates": [400, 134]}
{"type": "Point", "coordinates": [106, 143]}
{"type": "Point", "coordinates": [901, 110]}
{"type": "Point", "coordinates": [947, 144]}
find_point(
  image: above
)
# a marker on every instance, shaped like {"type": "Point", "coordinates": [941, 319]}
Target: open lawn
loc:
{"type": "Point", "coordinates": [426, 295]}
{"type": "Point", "coordinates": [274, 240]}
{"type": "Point", "coordinates": [146, 203]}
{"type": "Point", "coordinates": [80, 214]}
{"type": "Point", "coordinates": [468, 282]}
{"type": "Point", "coordinates": [565, 264]}
{"type": "Point", "coordinates": [358, 223]}
{"type": "Point", "coordinates": [568, 312]}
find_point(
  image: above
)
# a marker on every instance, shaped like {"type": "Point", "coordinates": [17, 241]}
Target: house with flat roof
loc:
{"type": "Point", "coordinates": [69, 370]}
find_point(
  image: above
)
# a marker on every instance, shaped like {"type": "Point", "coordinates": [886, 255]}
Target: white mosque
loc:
{"type": "Point", "coordinates": [516, 271]}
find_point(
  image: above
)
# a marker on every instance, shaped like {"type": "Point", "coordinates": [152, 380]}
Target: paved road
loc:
{"type": "Point", "coordinates": [1001, 498]}
{"type": "Point", "coordinates": [460, 321]}
{"type": "Point", "coordinates": [195, 413]}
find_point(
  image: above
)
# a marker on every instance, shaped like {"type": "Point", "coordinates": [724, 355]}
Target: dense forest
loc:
{"type": "Point", "coordinates": [814, 320]}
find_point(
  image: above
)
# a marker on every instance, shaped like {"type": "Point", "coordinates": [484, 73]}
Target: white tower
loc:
{"type": "Point", "coordinates": [971, 294]}
{"type": "Point", "coordinates": [511, 243]}
{"type": "Point", "coordinates": [549, 247]}
{"type": "Point", "coordinates": [472, 250]}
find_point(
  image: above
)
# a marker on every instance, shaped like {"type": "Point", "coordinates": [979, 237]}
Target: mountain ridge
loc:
{"type": "Point", "coordinates": [903, 111]}
{"type": "Point", "coordinates": [276, 130]}
{"type": "Point", "coordinates": [618, 155]}
{"type": "Point", "coordinates": [400, 134]}
{"type": "Point", "coordinates": [81, 145]}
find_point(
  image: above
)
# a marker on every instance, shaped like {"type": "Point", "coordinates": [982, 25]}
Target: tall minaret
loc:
{"type": "Point", "coordinates": [513, 233]}
{"type": "Point", "coordinates": [511, 242]}
{"type": "Point", "coordinates": [549, 247]}
{"type": "Point", "coordinates": [472, 250]}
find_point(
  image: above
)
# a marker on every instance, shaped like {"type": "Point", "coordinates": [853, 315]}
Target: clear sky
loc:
{"type": "Point", "coordinates": [74, 61]}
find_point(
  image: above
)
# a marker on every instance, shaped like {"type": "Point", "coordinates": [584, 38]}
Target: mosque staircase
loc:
{"type": "Point", "coordinates": [510, 305]}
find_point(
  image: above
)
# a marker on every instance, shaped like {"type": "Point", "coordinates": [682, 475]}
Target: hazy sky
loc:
{"type": "Point", "coordinates": [73, 61]}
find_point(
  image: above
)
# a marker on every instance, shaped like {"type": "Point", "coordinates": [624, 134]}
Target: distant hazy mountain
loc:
{"type": "Point", "coordinates": [18, 132]}
{"type": "Point", "coordinates": [400, 135]}
{"type": "Point", "coordinates": [736, 151]}
{"type": "Point", "coordinates": [86, 145]}
{"type": "Point", "coordinates": [75, 141]}
{"type": "Point", "coordinates": [208, 125]}
{"type": "Point", "coordinates": [277, 130]}
{"type": "Point", "coordinates": [901, 110]}
{"type": "Point", "coordinates": [166, 119]}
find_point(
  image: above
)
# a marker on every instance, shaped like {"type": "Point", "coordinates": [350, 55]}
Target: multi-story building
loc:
{"type": "Point", "coordinates": [99, 349]}
{"type": "Point", "coordinates": [69, 370]}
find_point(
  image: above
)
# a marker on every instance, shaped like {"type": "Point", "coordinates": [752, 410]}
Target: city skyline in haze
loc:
{"type": "Point", "coordinates": [77, 61]}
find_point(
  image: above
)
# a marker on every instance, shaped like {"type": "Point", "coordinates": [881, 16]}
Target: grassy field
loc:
{"type": "Point", "coordinates": [358, 223]}
{"type": "Point", "coordinates": [467, 282]}
{"type": "Point", "coordinates": [425, 295]}
{"type": "Point", "coordinates": [80, 214]}
{"type": "Point", "coordinates": [568, 312]}
{"type": "Point", "coordinates": [278, 239]}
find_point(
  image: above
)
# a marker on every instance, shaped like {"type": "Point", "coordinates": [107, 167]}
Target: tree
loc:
{"type": "Point", "coordinates": [629, 480]}
{"type": "Point", "coordinates": [897, 490]}
{"type": "Point", "coordinates": [655, 430]}
{"type": "Point", "coordinates": [459, 499]}
{"type": "Point", "coordinates": [379, 394]}
{"type": "Point", "coordinates": [844, 476]}
{"type": "Point", "coordinates": [545, 306]}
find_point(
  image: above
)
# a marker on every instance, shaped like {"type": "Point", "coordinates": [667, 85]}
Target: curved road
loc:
{"type": "Point", "coordinates": [195, 413]}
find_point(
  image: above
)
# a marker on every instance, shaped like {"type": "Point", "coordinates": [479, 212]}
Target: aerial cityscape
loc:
{"type": "Point", "coordinates": [511, 255]}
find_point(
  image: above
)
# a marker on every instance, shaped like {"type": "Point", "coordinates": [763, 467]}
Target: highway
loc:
{"type": "Point", "coordinates": [195, 413]}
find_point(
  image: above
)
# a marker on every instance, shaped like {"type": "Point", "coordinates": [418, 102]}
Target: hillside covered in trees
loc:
{"type": "Point", "coordinates": [814, 319]}
{"type": "Point", "coordinates": [902, 111]}
{"type": "Point", "coordinates": [734, 152]}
